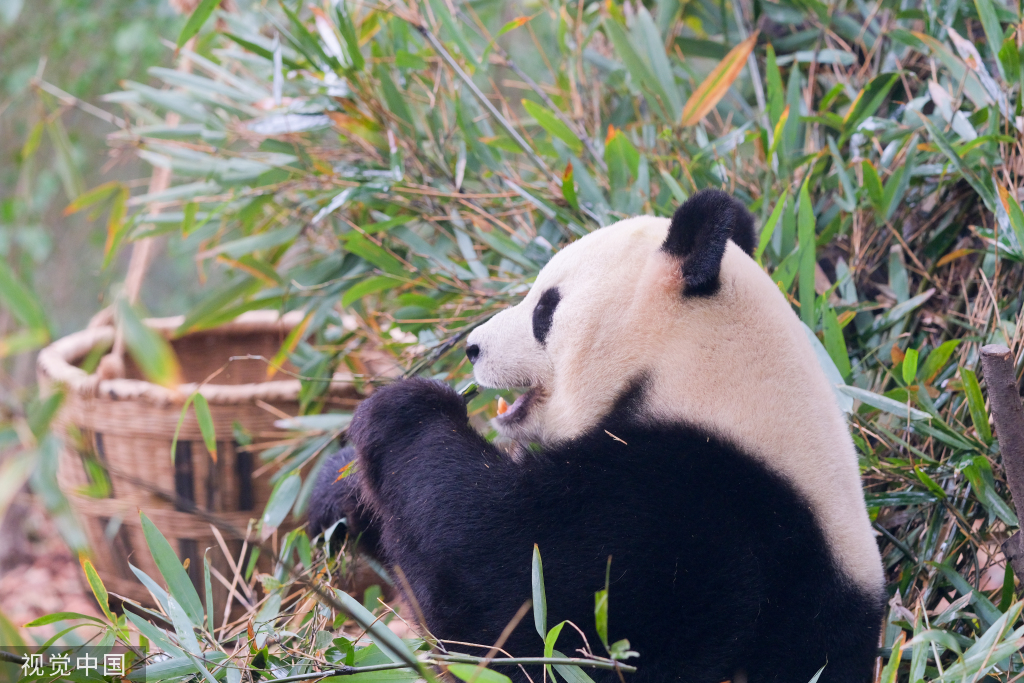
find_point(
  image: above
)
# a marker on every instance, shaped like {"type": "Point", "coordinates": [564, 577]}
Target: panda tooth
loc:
{"type": "Point", "coordinates": [502, 406]}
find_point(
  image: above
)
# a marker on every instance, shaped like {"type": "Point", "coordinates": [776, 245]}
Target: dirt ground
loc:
{"type": "Point", "coordinates": [38, 574]}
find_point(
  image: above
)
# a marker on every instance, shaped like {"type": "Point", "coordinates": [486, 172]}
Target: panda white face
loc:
{"type": "Point", "coordinates": [574, 343]}
{"type": "Point", "coordinates": [680, 305]}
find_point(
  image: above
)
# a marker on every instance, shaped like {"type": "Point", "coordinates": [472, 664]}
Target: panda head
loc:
{"type": "Point", "coordinates": [679, 310]}
{"type": "Point", "coordinates": [599, 316]}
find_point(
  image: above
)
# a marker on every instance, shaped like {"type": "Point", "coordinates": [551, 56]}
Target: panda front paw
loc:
{"type": "Point", "coordinates": [401, 409]}
{"type": "Point", "coordinates": [396, 416]}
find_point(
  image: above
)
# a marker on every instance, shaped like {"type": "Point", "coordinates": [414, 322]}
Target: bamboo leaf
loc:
{"type": "Point", "coordinates": [1009, 59]}
{"type": "Point", "coordinates": [695, 47]}
{"type": "Point", "coordinates": [601, 615]}
{"type": "Point", "coordinates": [159, 594]}
{"type": "Point", "coordinates": [622, 158]}
{"type": "Point", "coordinates": [980, 185]}
{"type": "Point", "coordinates": [540, 601]}
{"type": "Point", "coordinates": [899, 181]}
{"type": "Point", "coordinates": [959, 72]}
{"type": "Point", "coordinates": [155, 635]}
{"type": "Point", "coordinates": [35, 136]}
{"type": "Point", "coordinates": [183, 627]}
{"type": "Point", "coordinates": [776, 91]}
{"type": "Point", "coordinates": [976, 403]}
{"type": "Point", "coordinates": [98, 589]}
{"type": "Point", "coordinates": [883, 403]}
{"type": "Point", "coordinates": [993, 30]}
{"type": "Point", "coordinates": [984, 607]}
{"type": "Point", "coordinates": [893, 666]}
{"type": "Point", "coordinates": [442, 12]}
{"type": "Point", "coordinates": [769, 227]}
{"type": "Point", "coordinates": [867, 102]}
{"type": "Point", "coordinates": [365, 248]}
{"type": "Point", "coordinates": [206, 428]}
{"type": "Point", "coordinates": [835, 343]}
{"type": "Point", "coordinates": [281, 500]}
{"type": "Point", "coordinates": [900, 311]}
{"type": "Point", "coordinates": [474, 673]}
{"type": "Point", "coordinates": [261, 51]}
{"type": "Point", "coordinates": [115, 224]}
{"type": "Point", "coordinates": [64, 158]}
{"type": "Point", "coordinates": [714, 87]}
{"type": "Point", "coordinates": [646, 35]}
{"type": "Point", "coordinates": [297, 334]}
{"type": "Point", "coordinates": [552, 638]}
{"type": "Point", "coordinates": [569, 672]}
{"type": "Point", "coordinates": [569, 188]}
{"type": "Point", "coordinates": [777, 132]}
{"type": "Point", "coordinates": [873, 185]}
{"type": "Point", "coordinates": [939, 492]}
{"type": "Point", "coordinates": [196, 20]}
{"type": "Point", "coordinates": [347, 30]}
{"type": "Point", "coordinates": [150, 351]}
{"type": "Point", "coordinates": [393, 646]}
{"type": "Point", "coordinates": [93, 196]}
{"type": "Point", "coordinates": [373, 285]}
{"type": "Point", "coordinates": [549, 122]}
{"type": "Point", "coordinates": [979, 473]}
{"type": "Point", "coordinates": [303, 40]}
{"type": "Point", "coordinates": [208, 591]}
{"type": "Point", "coordinates": [641, 74]}
{"type": "Point", "coordinates": [514, 24]}
{"type": "Point", "coordinates": [849, 201]}
{"type": "Point", "coordinates": [910, 366]}
{"type": "Point", "coordinates": [1013, 209]}
{"type": "Point", "coordinates": [805, 233]}
{"type": "Point", "coordinates": [179, 585]}
{"type": "Point", "coordinates": [54, 617]}
{"type": "Point", "coordinates": [20, 300]}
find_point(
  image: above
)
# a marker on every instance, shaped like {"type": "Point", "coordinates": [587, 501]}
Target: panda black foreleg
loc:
{"type": "Point", "coordinates": [336, 496]}
{"type": "Point", "coordinates": [451, 511]}
{"type": "Point", "coordinates": [385, 428]}
{"type": "Point", "coordinates": [413, 439]}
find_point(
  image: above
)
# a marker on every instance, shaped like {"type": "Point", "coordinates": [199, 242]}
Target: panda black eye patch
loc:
{"type": "Point", "coordinates": [544, 313]}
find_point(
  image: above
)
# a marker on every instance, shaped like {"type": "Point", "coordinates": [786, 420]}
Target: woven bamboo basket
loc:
{"type": "Point", "coordinates": [127, 426]}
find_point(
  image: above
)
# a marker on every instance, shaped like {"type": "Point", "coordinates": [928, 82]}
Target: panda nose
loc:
{"type": "Point", "coordinates": [472, 352]}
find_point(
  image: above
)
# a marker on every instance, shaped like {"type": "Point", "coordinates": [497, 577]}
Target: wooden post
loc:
{"type": "Point", "coordinates": [1001, 378]}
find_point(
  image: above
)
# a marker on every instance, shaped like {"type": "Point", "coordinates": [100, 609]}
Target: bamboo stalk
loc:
{"type": "Point", "coordinates": [463, 659]}
{"type": "Point", "coordinates": [1001, 378]}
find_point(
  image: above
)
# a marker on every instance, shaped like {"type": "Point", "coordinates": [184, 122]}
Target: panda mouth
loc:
{"type": "Point", "coordinates": [518, 409]}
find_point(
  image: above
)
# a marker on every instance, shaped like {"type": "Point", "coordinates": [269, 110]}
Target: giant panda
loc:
{"type": "Point", "coordinates": [673, 418]}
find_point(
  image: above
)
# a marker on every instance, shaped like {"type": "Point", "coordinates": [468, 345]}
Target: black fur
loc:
{"type": "Point", "coordinates": [340, 499]}
{"type": "Point", "coordinates": [698, 233]}
{"type": "Point", "coordinates": [544, 314]}
{"type": "Point", "coordinates": [717, 565]}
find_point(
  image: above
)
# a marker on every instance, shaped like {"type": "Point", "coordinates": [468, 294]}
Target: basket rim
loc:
{"type": "Point", "coordinates": [54, 365]}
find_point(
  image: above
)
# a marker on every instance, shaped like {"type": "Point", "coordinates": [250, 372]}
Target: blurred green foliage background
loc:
{"type": "Point", "coordinates": [85, 49]}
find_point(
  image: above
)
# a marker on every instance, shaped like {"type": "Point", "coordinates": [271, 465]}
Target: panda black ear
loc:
{"type": "Point", "coordinates": [698, 233]}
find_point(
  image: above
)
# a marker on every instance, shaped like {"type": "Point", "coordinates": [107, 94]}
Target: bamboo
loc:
{"type": "Point", "coordinates": [1001, 378]}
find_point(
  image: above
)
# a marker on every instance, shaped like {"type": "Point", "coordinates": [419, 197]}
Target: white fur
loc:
{"type": "Point", "coordinates": [736, 363]}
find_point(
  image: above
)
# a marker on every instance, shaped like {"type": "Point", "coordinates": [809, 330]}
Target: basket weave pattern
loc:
{"type": "Point", "coordinates": [128, 425]}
